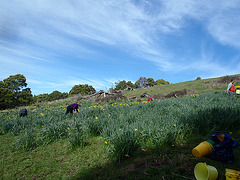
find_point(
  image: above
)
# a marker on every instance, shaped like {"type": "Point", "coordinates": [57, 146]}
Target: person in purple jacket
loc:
{"type": "Point", "coordinates": [73, 107]}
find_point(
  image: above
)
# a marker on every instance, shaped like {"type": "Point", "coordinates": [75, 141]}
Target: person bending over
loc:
{"type": "Point", "coordinates": [23, 112]}
{"type": "Point", "coordinates": [73, 107]}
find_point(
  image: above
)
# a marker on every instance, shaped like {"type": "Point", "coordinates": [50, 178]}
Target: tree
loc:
{"type": "Point", "coordinates": [141, 83]}
{"type": "Point", "coordinates": [121, 85]}
{"type": "Point", "coordinates": [151, 82]}
{"type": "Point", "coordinates": [130, 84]}
{"type": "Point", "coordinates": [57, 95]}
{"type": "Point", "coordinates": [82, 89]}
{"type": "Point", "coordinates": [6, 97]}
{"type": "Point", "coordinates": [161, 82]}
{"type": "Point", "coordinates": [15, 83]}
{"type": "Point", "coordinates": [13, 93]}
{"type": "Point", "coordinates": [41, 98]}
{"type": "Point", "coordinates": [25, 97]}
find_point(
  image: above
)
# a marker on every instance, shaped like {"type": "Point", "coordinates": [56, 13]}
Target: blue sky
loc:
{"type": "Point", "coordinates": [61, 43]}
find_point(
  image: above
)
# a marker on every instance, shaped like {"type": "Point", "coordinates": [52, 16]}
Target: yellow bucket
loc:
{"type": "Point", "coordinates": [203, 149]}
{"type": "Point", "coordinates": [237, 89]}
{"type": "Point", "coordinates": [232, 174]}
{"type": "Point", "coordinates": [202, 171]}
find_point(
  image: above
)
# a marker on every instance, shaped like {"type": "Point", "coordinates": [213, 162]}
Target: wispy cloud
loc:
{"type": "Point", "coordinates": [56, 37]}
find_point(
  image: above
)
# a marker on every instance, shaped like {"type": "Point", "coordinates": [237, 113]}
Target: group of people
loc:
{"type": "Point", "coordinates": [70, 109]}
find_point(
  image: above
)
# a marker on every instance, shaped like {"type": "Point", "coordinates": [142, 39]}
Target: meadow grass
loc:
{"type": "Point", "coordinates": [75, 146]}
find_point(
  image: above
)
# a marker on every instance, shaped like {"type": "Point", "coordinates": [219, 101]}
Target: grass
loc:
{"type": "Point", "coordinates": [53, 161]}
{"type": "Point", "coordinates": [56, 161]}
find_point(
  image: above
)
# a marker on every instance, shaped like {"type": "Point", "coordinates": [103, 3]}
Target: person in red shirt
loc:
{"type": "Point", "coordinates": [231, 89]}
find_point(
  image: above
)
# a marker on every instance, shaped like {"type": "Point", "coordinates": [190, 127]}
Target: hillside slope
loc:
{"type": "Point", "coordinates": [196, 86]}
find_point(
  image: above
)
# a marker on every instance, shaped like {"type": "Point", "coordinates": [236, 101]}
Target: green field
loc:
{"type": "Point", "coordinates": [119, 139]}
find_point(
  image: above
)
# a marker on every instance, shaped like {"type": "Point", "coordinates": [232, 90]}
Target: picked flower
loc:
{"type": "Point", "coordinates": [41, 114]}
{"type": "Point", "coordinates": [174, 125]}
{"type": "Point", "coordinates": [96, 117]}
{"type": "Point", "coordinates": [126, 155]}
{"type": "Point", "coordinates": [105, 142]}
{"type": "Point", "coordinates": [136, 129]}
{"type": "Point", "coordinates": [143, 149]}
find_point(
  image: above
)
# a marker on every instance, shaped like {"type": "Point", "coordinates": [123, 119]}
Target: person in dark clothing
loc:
{"type": "Point", "coordinates": [73, 107]}
{"type": "Point", "coordinates": [23, 112]}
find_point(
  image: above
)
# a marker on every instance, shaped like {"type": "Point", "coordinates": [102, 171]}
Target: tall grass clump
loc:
{"type": "Point", "coordinates": [77, 134]}
{"type": "Point", "coordinates": [123, 143]}
{"type": "Point", "coordinates": [27, 140]}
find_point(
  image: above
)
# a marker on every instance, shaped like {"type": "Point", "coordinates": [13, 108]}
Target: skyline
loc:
{"type": "Point", "coordinates": [59, 44]}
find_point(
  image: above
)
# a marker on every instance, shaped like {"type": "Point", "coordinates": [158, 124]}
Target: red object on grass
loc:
{"type": "Point", "coordinates": [150, 99]}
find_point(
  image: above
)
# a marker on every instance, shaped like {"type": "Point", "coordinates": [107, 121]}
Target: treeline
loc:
{"type": "Point", "coordinates": [14, 91]}
{"type": "Point", "coordinates": [143, 82]}
{"type": "Point", "coordinates": [83, 89]}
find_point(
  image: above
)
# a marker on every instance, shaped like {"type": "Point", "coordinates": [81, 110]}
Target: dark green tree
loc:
{"type": "Point", "coordinates": [130, 84]}
{"type": "Point", "coordinates": [151, 82]}
{"type": "Point", "coordinates": [82, 89]}
{"type": "Point", "coordinates": [25, 97]}
{"type": "Point", "coordinates": [161, 82]}
{"type": "Point", "coordinates": [14, 93]}
{"type": "Point", "coordinates": [121, 85]}
{"type": "Point", "coordinates": [57, 95]}
{"type": "Point", "coordinates": [15, 83]}
{"type": "Point", "coordinates": [41, 98]}
{"type": "Point", "coordinates": [6, 97]}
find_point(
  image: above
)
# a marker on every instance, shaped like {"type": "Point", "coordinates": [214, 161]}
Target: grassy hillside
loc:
{"type": "Point", "coordinates": [121, 139]}
{"type": "Point", "coordinates": [198, 86]}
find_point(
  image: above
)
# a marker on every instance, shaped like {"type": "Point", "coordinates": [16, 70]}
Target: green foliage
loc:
{"type": "Point", "coordinates": [151, 82]}
{"type": "Point", "coordinates": [26, 140]}
{"type": "Point", "coordinates": [55, 95]}
{"type": "Point", "coordinates": [121, 85]}
{"type": "Point", "coordinates": [12, 92]}
{"type": "Point", "coordinates": [161, 82]}
{"type": "Point", "coordinates": [82, 89]}
{"type": "Point", "coordinates": [77, 135]}
{"type": "Point", "coordinates": [123, 143]}
{"type": "Point", "coordinates": [15, 83]}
